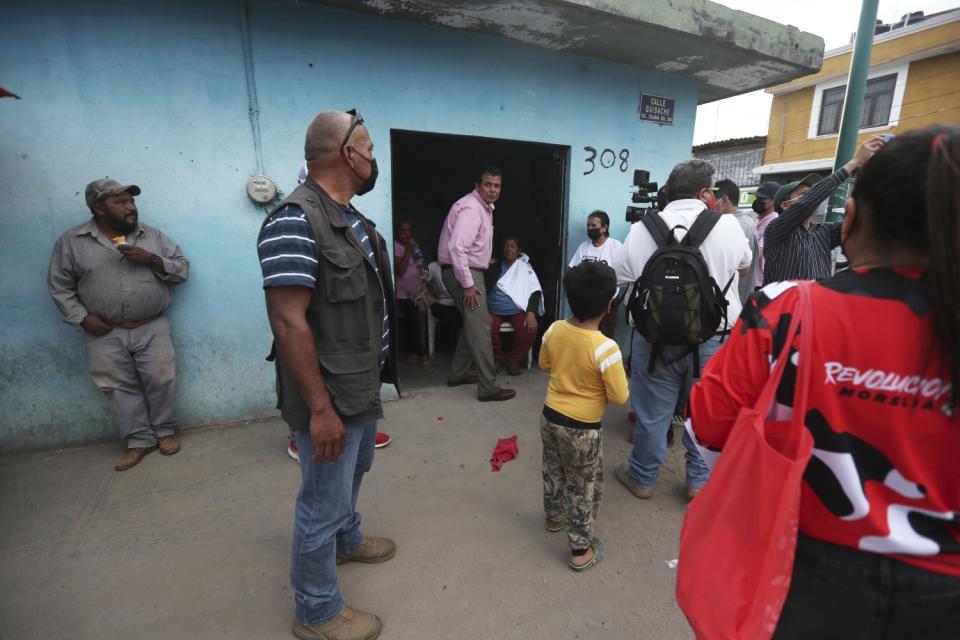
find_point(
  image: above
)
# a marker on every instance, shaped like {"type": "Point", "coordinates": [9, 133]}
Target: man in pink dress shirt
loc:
{"type": "Point", "coordinates": [464, 253]}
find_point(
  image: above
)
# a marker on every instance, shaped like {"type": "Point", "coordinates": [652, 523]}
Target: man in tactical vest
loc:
{"type": "Point", "coordinates": [330, 302]}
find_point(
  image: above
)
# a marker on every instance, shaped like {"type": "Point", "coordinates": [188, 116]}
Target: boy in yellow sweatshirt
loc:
{"type": "Point", "coordinates": [586, 372]}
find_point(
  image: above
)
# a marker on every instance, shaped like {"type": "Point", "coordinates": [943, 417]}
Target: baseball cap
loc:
{"type": "Point", "coordinates": [783, 192]}
{"type": "Point", "coordinates": [768, 190]}
{"type": "Point", "coordinates": [99, 189]}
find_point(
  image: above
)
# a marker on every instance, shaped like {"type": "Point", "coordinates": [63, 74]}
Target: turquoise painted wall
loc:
{"type": "Point", "coordinates": [157, 95]}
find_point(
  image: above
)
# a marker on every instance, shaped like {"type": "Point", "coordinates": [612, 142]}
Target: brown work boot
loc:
{"type": "Point", "coordinates": [349, 624]}
{"type": "Point", "coordinates": [498, 396]}
{"type": "Point", "coordinates": [132, 457]}
{"type": "Point", "coordinates": [371, 551]}
{"type": "Point", "coordinates": [623, 475]}
{"type": "Point", "coordinates": [168, 445]}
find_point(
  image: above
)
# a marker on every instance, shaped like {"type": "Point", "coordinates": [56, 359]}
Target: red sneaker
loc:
{"type": "Point", "coordinates": [383, 439]}
{"type": "Point", "coordinates": [293, 451]}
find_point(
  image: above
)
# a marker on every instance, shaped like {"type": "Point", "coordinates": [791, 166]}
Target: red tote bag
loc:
{"type": "Point", "coordinates": [739, 536]}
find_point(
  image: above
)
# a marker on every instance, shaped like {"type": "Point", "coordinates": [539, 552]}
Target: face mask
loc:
{"type": "Point", "coordinates": [710, 200]}
{"type": "Point", "coordinates": [846, 236]}
{"type": "Point", "coordinates": [367, 185]}
{"type": "Point", "coordinates": [594, 234]}
{"type": "Point", "coordinates": [404, 236]}
{"type": "Point", "coordinates": [758, 207]}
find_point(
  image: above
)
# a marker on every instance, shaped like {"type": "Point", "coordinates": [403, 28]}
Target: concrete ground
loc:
{"type": "Point", "coordinates": [197, 545]}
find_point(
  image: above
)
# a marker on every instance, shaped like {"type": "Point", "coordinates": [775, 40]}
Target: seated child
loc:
{"type": "Point", "coordinates": [586, 372]}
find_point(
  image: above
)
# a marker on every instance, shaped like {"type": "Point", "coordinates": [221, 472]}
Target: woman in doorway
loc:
{"type": "Point", "coordinates": [514, 296]}
{"type": "Point", "coordinates": [599, 247]}
{"type": "Point", "coordinates": [878, 554]}
{"type": "Point", "coordinates": [410, 269]}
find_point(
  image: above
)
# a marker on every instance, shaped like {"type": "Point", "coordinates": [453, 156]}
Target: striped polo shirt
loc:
{"type": "Point", "coordinates": [288, 255]}
{"type": "Point", "coordinates": [791, 252]}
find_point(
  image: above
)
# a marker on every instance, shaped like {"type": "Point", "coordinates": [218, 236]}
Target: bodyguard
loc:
{"type": "Point", "coordinates": [112, 276]}
{"type": "Point", "coordinates": [330, 302]}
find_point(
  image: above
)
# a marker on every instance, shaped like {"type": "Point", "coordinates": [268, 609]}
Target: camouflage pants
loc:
{"type": "Point", "coordinates": [572, 478]}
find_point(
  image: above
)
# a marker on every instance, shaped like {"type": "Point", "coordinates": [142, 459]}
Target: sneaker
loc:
{"type": "Point", "coordinates": [349, 624]}
{"type": "Point", "coordinates": [370, 551]}
{"type": "Point", "coordinates": [293, 451]}
{"type": "Point", "coordinates": [513, 369]}
{"type": "Point", "coordinates": [623, 475]}
{"type": "Point", "coordinates": [383, 439]}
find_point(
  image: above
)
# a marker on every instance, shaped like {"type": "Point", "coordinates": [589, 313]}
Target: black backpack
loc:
{"type": "Point", "coordinates": [675, 301]}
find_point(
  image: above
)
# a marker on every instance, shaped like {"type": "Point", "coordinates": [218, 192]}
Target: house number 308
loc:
{"type": "Point", "coordinates": [608, 158]}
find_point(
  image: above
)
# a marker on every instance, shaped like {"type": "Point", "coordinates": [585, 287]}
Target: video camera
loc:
{"type": "Point", "coordinates": [641, 180]}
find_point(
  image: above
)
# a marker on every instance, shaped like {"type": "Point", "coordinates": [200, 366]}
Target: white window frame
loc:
{"type": "Point", "coordinates": [900, 68]}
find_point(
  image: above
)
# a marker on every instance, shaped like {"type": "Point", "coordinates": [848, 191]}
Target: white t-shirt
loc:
{"type": "Point", "coordinates": [605, 253]}
{"type": "Point", "coordinates": [725, 250]}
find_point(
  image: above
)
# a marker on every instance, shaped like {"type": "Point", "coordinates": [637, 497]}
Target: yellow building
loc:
{"type": "Point", "coordinates": [914, 81]}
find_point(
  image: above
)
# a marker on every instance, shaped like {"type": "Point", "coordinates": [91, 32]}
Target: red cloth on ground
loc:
{"type": "Point", "coordinates": [522, 338]}
{"type": "Point", "coordinates": [505, 451]}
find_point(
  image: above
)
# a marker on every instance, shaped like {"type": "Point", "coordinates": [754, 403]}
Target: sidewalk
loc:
{"type": "Point", "coordinates": [197, 545]}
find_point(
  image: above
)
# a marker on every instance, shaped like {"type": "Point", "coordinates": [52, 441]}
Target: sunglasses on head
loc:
{"type": "Point", "coordinates": [356, 120]}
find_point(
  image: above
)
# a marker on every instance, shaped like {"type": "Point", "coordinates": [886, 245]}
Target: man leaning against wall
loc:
{"type": "Point", "coordinates": [112, 276]}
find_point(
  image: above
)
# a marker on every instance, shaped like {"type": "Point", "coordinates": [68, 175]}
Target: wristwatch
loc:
{"type": "Point", "coordinates": [156, 261]}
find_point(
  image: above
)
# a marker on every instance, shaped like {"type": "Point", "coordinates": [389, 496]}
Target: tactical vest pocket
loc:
{"type": "Point", "coordinates": [343, 275]}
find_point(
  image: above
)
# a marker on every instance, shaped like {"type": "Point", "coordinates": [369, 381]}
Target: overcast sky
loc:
{"type": "Point", "coordinates": [832, 20]}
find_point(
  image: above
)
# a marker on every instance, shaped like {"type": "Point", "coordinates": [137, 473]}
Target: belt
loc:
{"type": "Point", "coordinates": [447, 267]}
{"type": "Point", "coordinates": [133, 324]}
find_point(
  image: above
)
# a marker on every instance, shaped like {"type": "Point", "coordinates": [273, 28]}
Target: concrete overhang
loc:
{"type": "Point", "coordinates": [727, 52]}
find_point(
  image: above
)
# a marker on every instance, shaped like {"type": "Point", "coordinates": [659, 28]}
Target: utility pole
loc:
{"type": "Point", "coordinates": [853, 103]}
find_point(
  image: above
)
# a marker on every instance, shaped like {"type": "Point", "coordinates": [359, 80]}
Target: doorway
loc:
{"type": "Point", "coordinates": [431, 171]}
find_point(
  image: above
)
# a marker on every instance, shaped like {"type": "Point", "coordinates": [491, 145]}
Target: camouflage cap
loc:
{"type": "Point", "coordinates": [99, 189]}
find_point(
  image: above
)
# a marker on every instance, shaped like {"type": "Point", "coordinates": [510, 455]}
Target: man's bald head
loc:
{"type": "Point", "coordinates": [325, 134]}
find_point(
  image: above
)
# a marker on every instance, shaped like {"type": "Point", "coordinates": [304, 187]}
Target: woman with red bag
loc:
{"type": "Point", "coordinates": [878, 551]}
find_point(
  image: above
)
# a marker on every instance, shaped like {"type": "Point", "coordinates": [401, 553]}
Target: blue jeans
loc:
{"type": "Point", "coordinates": [654, 398]}
{"type": "Point", "coordinates": [326, 521]}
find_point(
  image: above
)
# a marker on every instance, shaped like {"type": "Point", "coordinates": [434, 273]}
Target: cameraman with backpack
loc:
{"type": "Point", "coordinates": [684, 301]}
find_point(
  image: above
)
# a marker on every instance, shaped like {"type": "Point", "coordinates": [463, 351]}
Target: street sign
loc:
{"type": "Point", "coordinates": [656, 109]}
